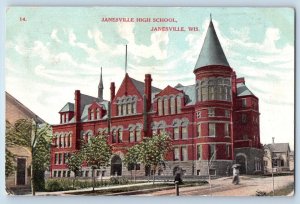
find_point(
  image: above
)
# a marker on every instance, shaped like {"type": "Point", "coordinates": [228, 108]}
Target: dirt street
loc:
{"type": "Point", "coordinates": [223, 187]}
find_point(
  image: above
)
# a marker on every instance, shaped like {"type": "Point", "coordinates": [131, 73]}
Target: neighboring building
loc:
{"type": "Point", "coordinates": [20, 180]}
{"type": "Point", "coordinates": [292, 161]}
{"type": "Point", "coordinates": [217, 119]}
{"type": "Point", "coordinates": [279, 155]}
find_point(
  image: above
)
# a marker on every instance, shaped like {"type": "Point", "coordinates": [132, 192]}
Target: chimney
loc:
{"type": "Point", "coordinates": [273, 139]}
{"type": "Point", "coordinates": [148, 81]}
{"type": "Point", "coordinates": [77, 106]}
{"type": "Point", "coordinates": [112, 91]}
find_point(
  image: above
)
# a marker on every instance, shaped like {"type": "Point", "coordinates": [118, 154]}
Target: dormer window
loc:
{"type": "Point", "coordinates": [92, 115]}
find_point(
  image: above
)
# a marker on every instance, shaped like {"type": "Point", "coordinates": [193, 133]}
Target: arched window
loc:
{"type": "Point", "coordinates": [160, 107]}
{"type": "Point", "coordinates": [138, 134]}
{"type": "Point", "coordinates": [92, 114]}
{"type": "Point", "coordinates": [129, 108]}
{"type": "Point", "coordinates": [172, 105]}
{"type": "Point", "coordinates": [166, 106]}
{"type": "Point", "coordinates": [70, 140]}
{"type": "Point", "coordinates": [97, 113]}
{"type": "Point", "coordinates": [124, 107]}
{"type": "Point", "coordinates": [134, 107]}
{"type": "Point", "coordinates": [178, 98]}
{"type": "Point", "coordinates": [176, 133]}
{"type": "Point", "coordinates": [58, 141]}
{"type": "Point", "coordinates": [131, 135]}
{"type": "Point", "coordinates": [120, 135]}
{"type": "Point", "coordinates": [114, 136]}
{"type": "Point", "coordinates": [119, 109]}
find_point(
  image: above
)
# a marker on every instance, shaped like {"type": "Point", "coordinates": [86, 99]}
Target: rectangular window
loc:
{"type": "Point", "coordinates": [68, 173]}
{"type": "Point", "coordinates": [64, 174]}
{"type": "Point", "coordinates": [211, 93]}
{"type": "Point", "coordinates": [204, 93]}
{"type": "Point", "coordinates": [199, 152]}
{"type": "Point", "coordinates": [211, 112]}
{"type": "Point", "coordinates": [212, 129]}
{"type": "Point", "coordinates": [212, 172]}
{"type": "Point", "coordinates": [166, 107]}
{"type": "Point", "coordinates": [226, 130]}
{"type": "Point", "coordinates": [184, 154]}
{"type": "Point", "coordinates": [212, 151]}
{"type": "Point", "coordinates": [131, 136]}
{"type": "Point", "coordinates": [160, 107]}
{"type": "Point", "coordinates": [56, 159]}
{"type": "Point", "coordinates": [227, 114]}
{"type": "Point", "coordinates": [119, 109]}
{"type": "Point", "coordinates": [176, 133]}
{"type": "Point", "coordinates": [172, 105]}
{"type": "Point", "coordinates": [86, 173]}
{"type": "Point", "coordinates": [58, 173]}
{"type": "Point", "coordinates": [65, 158]}
{"type": "Point", "coordinates": [54, 174]}
{"type": "Point", "coordinates": [199, 130]}
{"type": "Point", "coordinates": [60, 158]}
{"type": "Point", "coordinates": [244, 103]}
{"type": "Point", "coordinates": [244, 118]}
{"type": "Point", "coordinates": [184, 131]}
{"type": "Point", "coordinates": [198, 114]}
{"type": "Point", "coordinates": [124, 107]}
{"type": "Point", "coordinates": [176, 154]}
{"type": "Point", "coordinates": [114, 136]}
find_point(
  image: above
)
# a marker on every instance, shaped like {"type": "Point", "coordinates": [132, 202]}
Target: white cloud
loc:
{"type": "Point", "coordinates": [158, 40]}
{"type": "Point", "coordinates": [54, 36]}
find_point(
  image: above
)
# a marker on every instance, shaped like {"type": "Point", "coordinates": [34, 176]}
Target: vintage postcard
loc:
{"type": "Point", "coordinates": [150, 101]}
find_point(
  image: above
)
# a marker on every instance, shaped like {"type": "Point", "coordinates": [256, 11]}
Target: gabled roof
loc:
{"type": "Point", "coordinates": [279, 147]}
{"type": "Point", "coordinates": [140, 86]}
{"type": "Point", "coordinates": [211, 52]}
{"type": "Point", "coordinates": [23, 108]}
{"type": "Point", "coordinates": [168, 91]}
{"type": "Point", "coordinates": [68, 107]}
{"type": "Point", "coordinates": [242, 90]}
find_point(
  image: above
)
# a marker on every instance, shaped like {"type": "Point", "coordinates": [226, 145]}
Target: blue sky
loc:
{"type": "Point", "coordinates": [58, 50]}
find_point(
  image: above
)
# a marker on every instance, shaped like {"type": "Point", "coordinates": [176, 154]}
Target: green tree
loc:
{"type": "Point", "coordinates": [74, 163]}
{"type": "Point", "coordinates": [132, 158]}
{"type": "Point", "coordinates": [9, 164]}
{"type": "Point", "coordinates": [37, 139]}
{"type": "Point", "coordinates": [153, 151]}
{"type": "Point", "coordinates": [97, 153]}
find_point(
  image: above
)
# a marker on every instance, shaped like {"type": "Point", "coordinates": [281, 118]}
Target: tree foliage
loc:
{"type": "Point", "coordinates": [75, 162]}
{"type": "Point", "coordinates": [9, 164]}
{"type": "Point", "coordinates": [37, 139]}
{"type": "Point", "coordinates": [153, 150]}
{"type": "Point", "coordinates": [132, 158]}
{"type": "Point", "coordinates": [97, 152]}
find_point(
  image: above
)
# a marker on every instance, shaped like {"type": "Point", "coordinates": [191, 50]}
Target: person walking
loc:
{"type": "Point", "coordinates": [236, 172]}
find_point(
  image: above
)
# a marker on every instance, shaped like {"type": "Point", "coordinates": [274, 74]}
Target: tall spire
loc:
{"type": "Point", "coordinates": [211, 52]}
{"type": "Point", "coordinates": [100, 87]}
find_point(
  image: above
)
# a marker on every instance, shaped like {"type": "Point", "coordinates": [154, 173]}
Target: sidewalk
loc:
{"type": "Point", "coordinates": [68, 193]}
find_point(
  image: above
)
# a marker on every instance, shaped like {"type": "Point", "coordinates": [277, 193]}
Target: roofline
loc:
{"type": "Point", "coordinates": [22, 106]}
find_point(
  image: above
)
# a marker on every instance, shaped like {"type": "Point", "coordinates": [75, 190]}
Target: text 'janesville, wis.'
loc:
{"type": "Point", "coordinates": [152, 20]}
